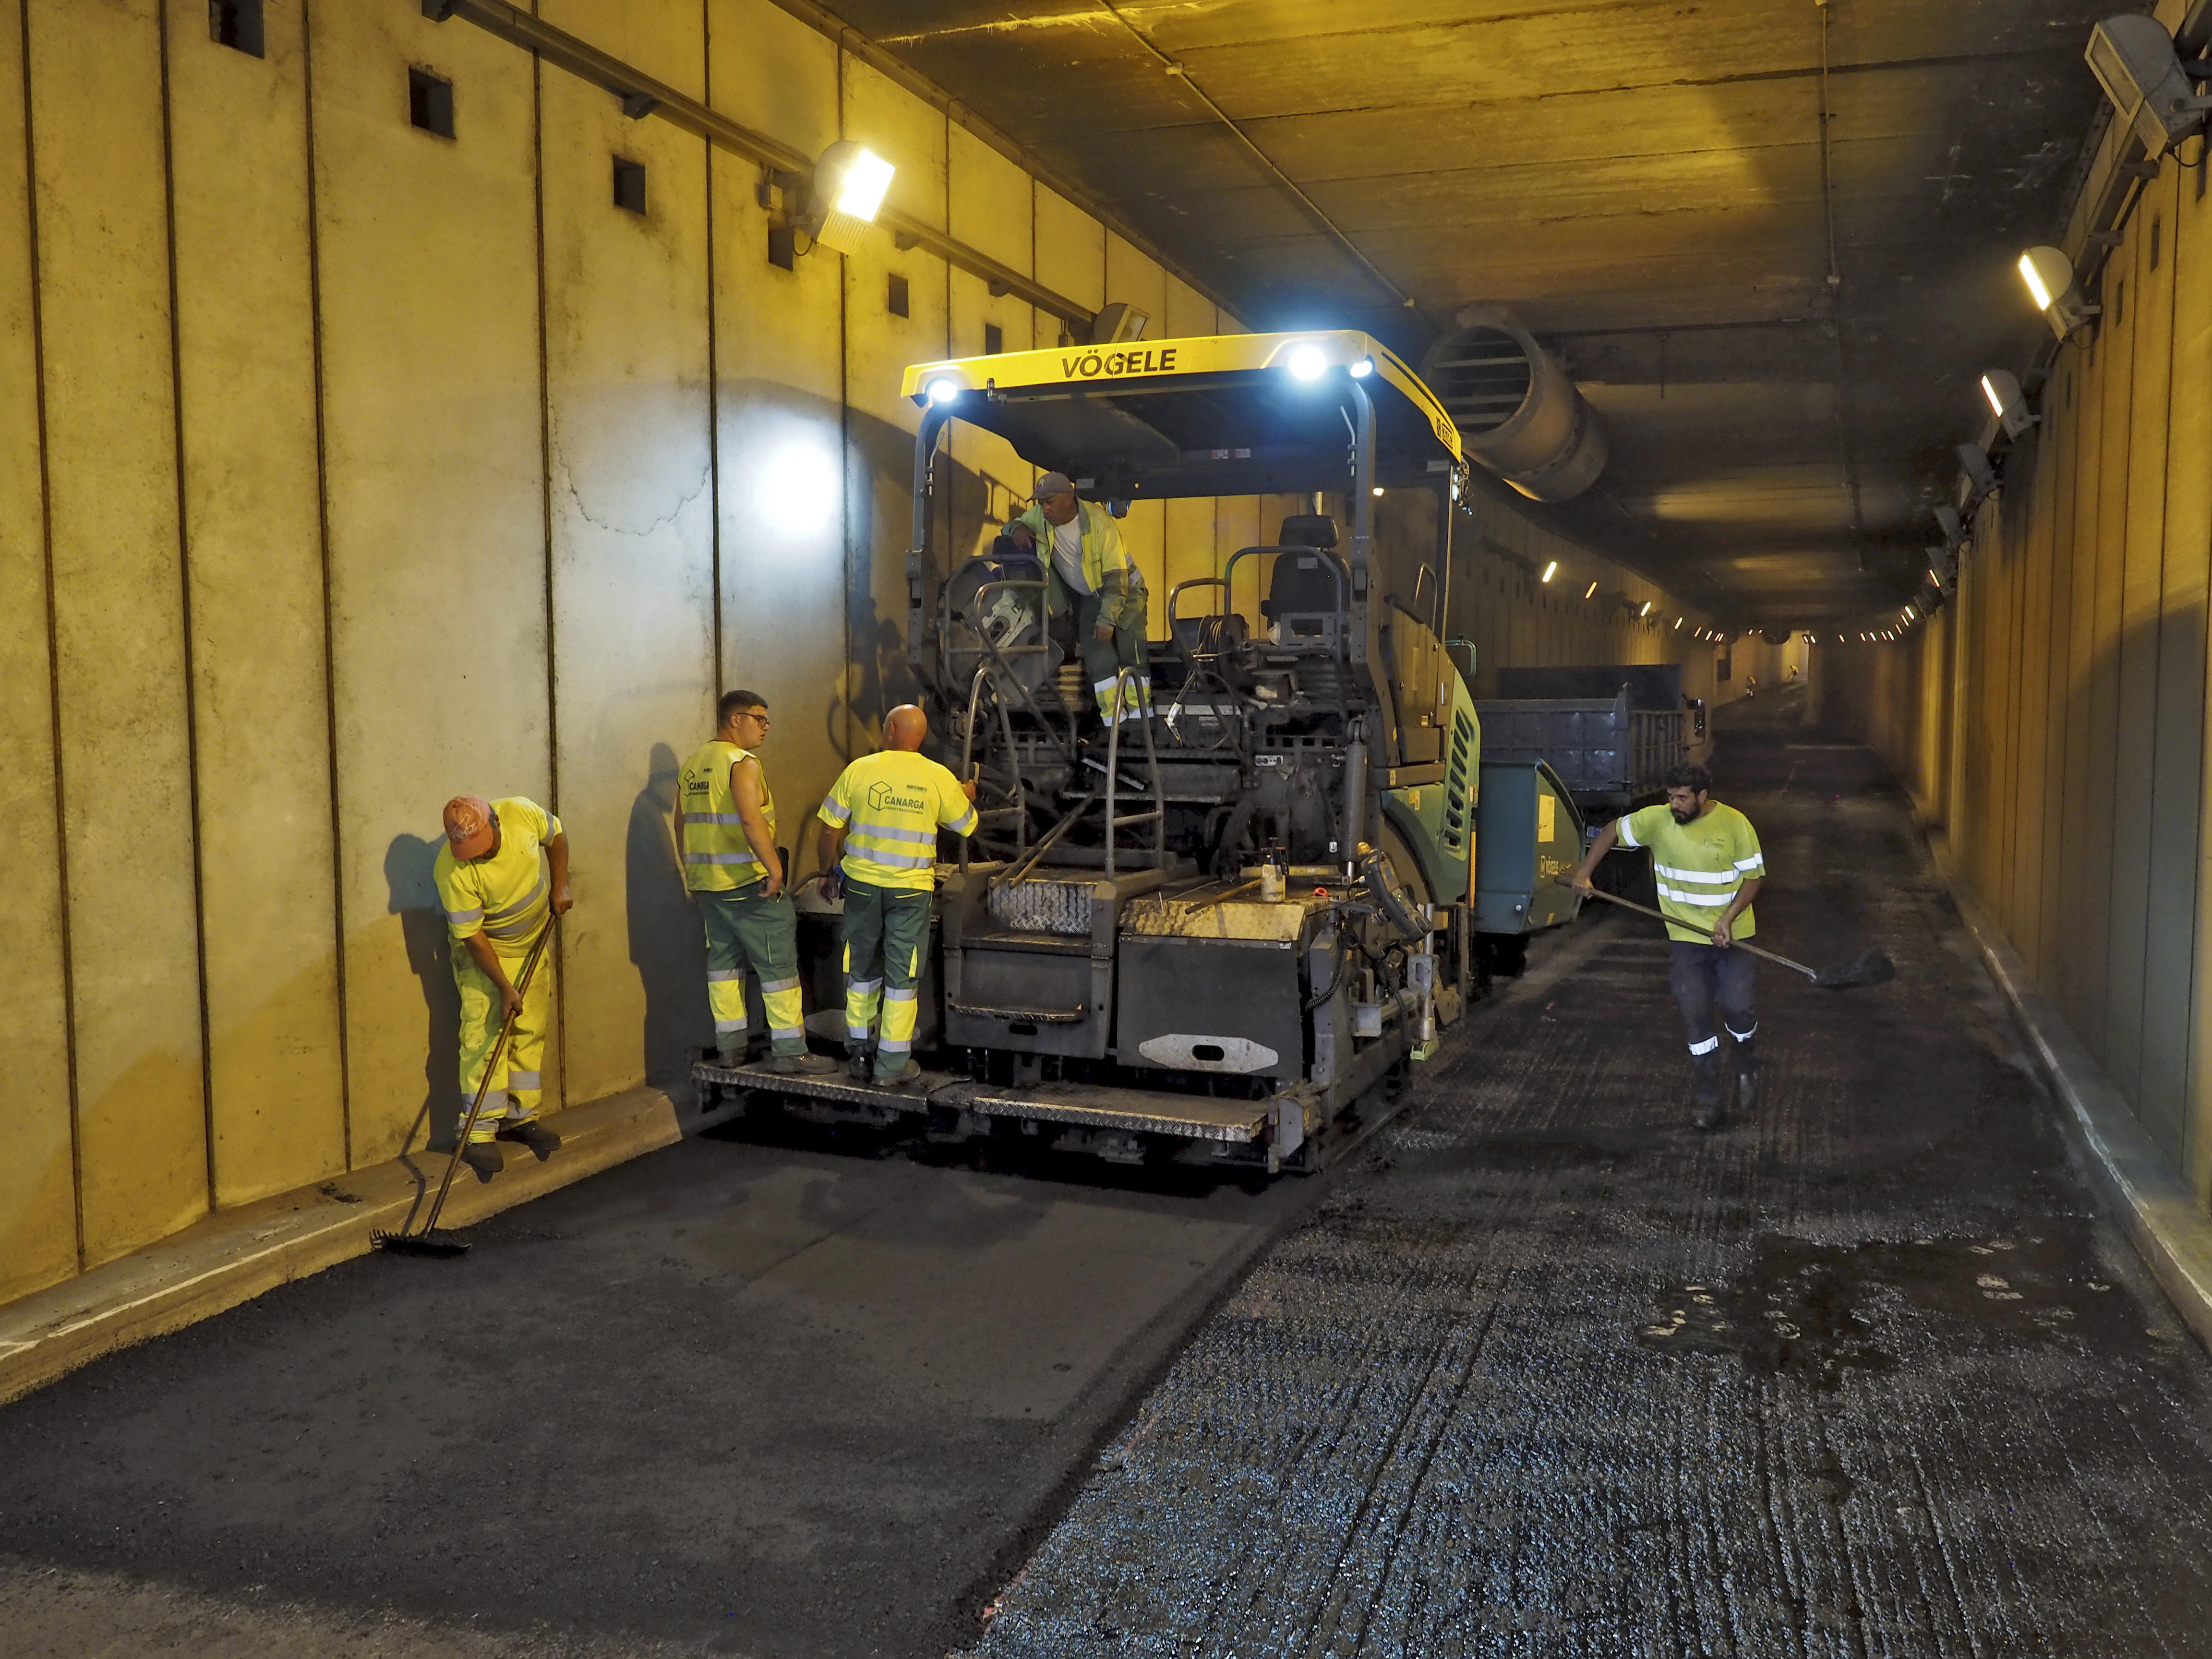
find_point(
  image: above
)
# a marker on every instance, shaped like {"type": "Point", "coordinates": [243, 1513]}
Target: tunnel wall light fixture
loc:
{"type": "Point", "coordinates": [2134, 60]}
{"type": "Point", "coordinates": [1550, 571]}
{"type": "Point", "coordinates": [2055, 290]}
{"type": "Point", "coordinates": [847, 188]}
{"type": "Point", "coordinates": [2000, 391]}
{"type": "Point", "coordinates": [1976, 476]}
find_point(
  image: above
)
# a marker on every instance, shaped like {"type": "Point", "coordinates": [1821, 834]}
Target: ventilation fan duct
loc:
{"type": "Point", "coordinates": [1518, 412]}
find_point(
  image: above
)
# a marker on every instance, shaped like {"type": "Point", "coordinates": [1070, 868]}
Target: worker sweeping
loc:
{"type": "Point", "coordinates": [726, 828]}
{"type": "Point", "coordinates": [879, 843]}
{"type": "Point", "coordinates": [1705, 858]}
{"type": "Point", "coordinates": [1087, 566]}
{"type": "Point", "coordinates": [502, 876]}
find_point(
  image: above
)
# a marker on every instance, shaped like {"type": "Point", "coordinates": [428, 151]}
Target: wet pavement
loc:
{"type": "Point", "coordinates": [1542, 1370]}
{"type": "Point", "coordinates": [1550, 1372]}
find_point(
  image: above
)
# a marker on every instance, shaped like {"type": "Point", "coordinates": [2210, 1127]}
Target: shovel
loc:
{"type": "Point", "coordinates": [1870, 967]}
{"type": "Point", "coordinates": [429, 1239]}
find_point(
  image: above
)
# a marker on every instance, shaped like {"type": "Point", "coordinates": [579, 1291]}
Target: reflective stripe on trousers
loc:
{"type": "Point", "coordinates": [886, 930]}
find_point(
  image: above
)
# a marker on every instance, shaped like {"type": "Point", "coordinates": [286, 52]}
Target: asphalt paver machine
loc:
{"type": "Point", "coordinates": [1222, 931]}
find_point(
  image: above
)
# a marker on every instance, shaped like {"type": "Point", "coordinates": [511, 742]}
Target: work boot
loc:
{"type": "Point", "coordinates": [1706, 1109]}
{"type": "Point", "coordinates": [531, 1133]}
{"type": "Point", "coordinates": [484, 1157]}
{"type": "Point", "coordinates": [801, 1065]}
{"type": "Point", "coordinates": [859, 1062]}
{"type": "Point", "coordinates": [906, 1073]}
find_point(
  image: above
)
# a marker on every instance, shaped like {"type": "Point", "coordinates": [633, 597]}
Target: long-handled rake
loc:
{"type": "Point", "coordinates": [428, 1240]}
{"type": "Point", "coordinates": [1870, 967]}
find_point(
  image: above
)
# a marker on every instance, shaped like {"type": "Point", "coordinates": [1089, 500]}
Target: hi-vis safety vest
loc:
{"type": "Point", "coordinates": [1698, 866]}
{"type": "Point", "coordinates": [1108, 568]}
{"type": "Point", "coordinates": [505, 895]}
{"type": "Point", "coordinates": [717, 857]}
{"type": "Point", "coordinates": [892, 804]}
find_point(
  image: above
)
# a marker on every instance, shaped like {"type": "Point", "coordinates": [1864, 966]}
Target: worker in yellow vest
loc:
{"type": "Point", "coordinates": [879, 843]}
{"type": "Point", "coordinates": [1087, 566]}
{"type": "Point", "coordinates": [502, 876]}
{"type": "Point", "coordinates": [725, 834]}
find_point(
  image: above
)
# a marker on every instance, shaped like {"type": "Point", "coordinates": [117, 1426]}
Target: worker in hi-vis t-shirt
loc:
{"type": "Point", "coordinates": [1705, 859]}
{"type": "Point", "coordinates": [878, 841]}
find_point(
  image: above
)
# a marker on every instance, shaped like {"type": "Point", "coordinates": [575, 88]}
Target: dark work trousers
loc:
{"type": "Point", "coordinates": [1709, 981]}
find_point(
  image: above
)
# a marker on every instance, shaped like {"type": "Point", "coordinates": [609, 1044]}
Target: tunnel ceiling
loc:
{"type": "Point", "coordinates": [1644, 184]}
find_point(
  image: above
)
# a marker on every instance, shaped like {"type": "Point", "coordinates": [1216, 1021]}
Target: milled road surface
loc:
{"type": "Point", "coordinates": [1551, 1373]}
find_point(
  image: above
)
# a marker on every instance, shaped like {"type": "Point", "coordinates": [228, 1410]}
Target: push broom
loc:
{"type": "Point", "coordinates": [1870, 967]}
{"type": "Point", "coordinates": [428, 1240]}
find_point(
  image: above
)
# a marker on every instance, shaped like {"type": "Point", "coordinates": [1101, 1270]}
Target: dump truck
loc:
{"type": "Point", "coordinates": [1221, 932]}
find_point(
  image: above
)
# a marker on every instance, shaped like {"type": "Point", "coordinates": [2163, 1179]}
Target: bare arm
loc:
{"type": "Point", "coordinates": [1723, 934]}
{"type": "Point", "coordinates": [1580, 880]}
{"type": "Point", "coordinates": [829, 846]}
{"type": "Point", "coordinates": [557, 851]}
{"type": "Point", "coordinates": [745, 785]}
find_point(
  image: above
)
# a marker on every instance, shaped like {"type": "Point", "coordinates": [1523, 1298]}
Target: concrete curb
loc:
{"type": "Point", "coordinates": [236, 1254]}
{"type": "Point", "coordinates": [2151, 1203]}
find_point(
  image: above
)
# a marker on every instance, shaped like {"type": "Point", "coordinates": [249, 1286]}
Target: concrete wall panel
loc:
{"type": "Point", "coordinates": [780, 433]}
{"type": "Point", "coordinates": [38, 1183]}
{"type": "Point", "coordinates": [2148, 324]}
{"type": "Point", "coordinates": [96, 109]}
{"type": "Point", "coordinates": [631, 480]}
{"type": "Point", "coordinates": [436, 509]}
{"type": "Point", "coordinates": [252, 526]}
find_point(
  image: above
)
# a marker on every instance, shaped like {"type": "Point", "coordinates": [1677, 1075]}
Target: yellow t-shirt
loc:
{"type": "Point", "coordinates": [892, 805]}
{"type": "Point", "coordinates": [505, 895]}
{"type": "Point", "coordinates": [1699, 865]}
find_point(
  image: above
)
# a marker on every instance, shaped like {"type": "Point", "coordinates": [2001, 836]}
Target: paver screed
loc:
{"type": "Point", "coordinates": [1550, 1372]}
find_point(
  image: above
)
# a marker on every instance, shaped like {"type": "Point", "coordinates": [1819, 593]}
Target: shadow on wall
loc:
{"type": "Point", "coordinates": [666, 943]}
{"type": "Point", "coordinates": [408, 863]}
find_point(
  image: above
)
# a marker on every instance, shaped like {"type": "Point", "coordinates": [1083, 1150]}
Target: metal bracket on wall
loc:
{"type": "Point", "coordinates": [642, 95]}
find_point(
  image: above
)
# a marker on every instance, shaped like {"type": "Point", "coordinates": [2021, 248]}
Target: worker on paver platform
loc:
{"type": "Point", "coordinates": [879, 843]}
{"type": "Point", "coordinates": [1085, 562]}
{"type": "Point", "coordinates": [1705, 859]}
{"type": "Point", "coordinates": [502, 876]}
{"type": "Point", "coordinates": [726, 832]}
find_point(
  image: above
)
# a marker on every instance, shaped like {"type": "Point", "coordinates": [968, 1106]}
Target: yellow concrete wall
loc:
{"type": "Point", "coordinates": [2053, 718]}
{"type": "Point", "coordinates": [344, 467]}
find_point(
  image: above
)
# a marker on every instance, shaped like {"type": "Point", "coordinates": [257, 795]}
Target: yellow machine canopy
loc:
{"type": "Point", "coordinates": [1215, 415]}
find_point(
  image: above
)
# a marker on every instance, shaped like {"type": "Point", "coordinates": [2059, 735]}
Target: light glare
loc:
{"type": "Point", "coordinates": [1551, 570]}
{"type": "Point", "coordinates": [942, 390]}
{"type": "Point", "coordinates": [861, 192]}
{"type": "Point", "coordinates": [2033, 278]}
{"type": "Point", "coordinates": [1363, 369]}
{"type": "Point", "coordinates": [1996, 403]}
{"type": "Point", "coordinates": [1306, 362]}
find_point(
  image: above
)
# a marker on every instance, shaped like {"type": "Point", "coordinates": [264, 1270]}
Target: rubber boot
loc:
{"type": "Point", "coordinates": [541, 1141]}
{"type": "Point", "coordinates": [1747, 1078]}
{"type": "Point", "coordinates": [1706, 1109]}
{"type": "Point", "coordinates": [484, 1157]}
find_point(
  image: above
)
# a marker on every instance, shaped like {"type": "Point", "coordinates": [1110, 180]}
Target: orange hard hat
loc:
{"type": "Point", "coordinates": [469, 826]}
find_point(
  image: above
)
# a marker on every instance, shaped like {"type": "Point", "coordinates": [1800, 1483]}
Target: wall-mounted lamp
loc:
{"type": "Point", "coordinates": [1647, 609]}
{"type": "Point", "coordinates": [1949, 521]}
{"type": "Point", "coordinates": [1118, 322]}
{"type": "Point", "coordinates": [2055, 291]}
{"type": "Point", "coordinates": [1678, 622]}
{"type": "Point", "coordinates": [843, 196]}
{"type": "Point", "coordinates": [1550, 571]}
{"type": "Point", "coordinates": [2134, 60]}
{"type": "Point", "coordinates": [1979, 478]}
{"type": "Point", "coordinates": [1590, 593]}
{"type": "Point", "coordinates": [2001, 390]}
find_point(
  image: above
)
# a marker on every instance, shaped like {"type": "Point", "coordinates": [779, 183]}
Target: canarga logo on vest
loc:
{"type": "Point", "coordinates": [889, 798]}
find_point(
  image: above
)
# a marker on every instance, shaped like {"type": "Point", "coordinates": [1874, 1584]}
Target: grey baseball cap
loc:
{"type": "Point", "coordinates": [1054, 483]}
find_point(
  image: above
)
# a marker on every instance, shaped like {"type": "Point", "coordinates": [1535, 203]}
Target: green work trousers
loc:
{"type": "Point", "coordinates": [744, 930]}
{"type": "Point", "coordinates": [1104, 660]}
{"type": "Point", "coordinates": [885, 931]}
